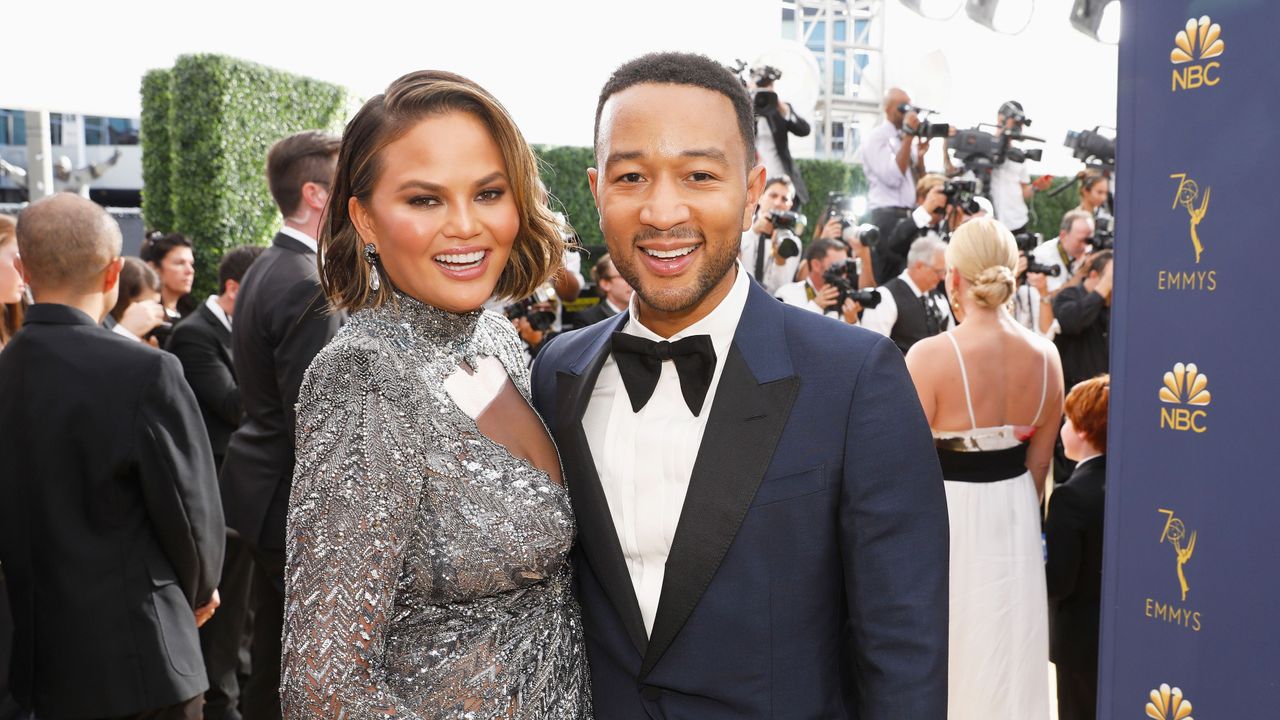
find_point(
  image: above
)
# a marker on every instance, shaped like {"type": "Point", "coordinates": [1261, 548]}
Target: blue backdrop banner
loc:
{"type": "Point", "coordinates": [1191, 578]}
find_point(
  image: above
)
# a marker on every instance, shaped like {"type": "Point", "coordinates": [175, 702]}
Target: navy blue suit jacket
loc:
{"type": "Point", "coordinates": [808, 574]}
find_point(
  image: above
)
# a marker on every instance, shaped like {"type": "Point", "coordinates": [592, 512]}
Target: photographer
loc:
{"type": "Point", "coordinates": [814, 293]}
{"type": "Point", "coordinates": [1083, 311]}
{"type": "Point", "coordinates": [925, 219]}
{"type": "Point", "coordinates": [893, 162]}
{"type": "Point", "coordinates": [910, 309]}
{"type": "Point", "coordinates": [1032, 304]}
{"type": "Point", "coordinates": [1010, 186]}
{"type": "Point", "coordinates": [766, 258]}
{"type": "Point", "coordinates": [1066, 250]}
{"type": "Point", "coordinates": [775, 120]}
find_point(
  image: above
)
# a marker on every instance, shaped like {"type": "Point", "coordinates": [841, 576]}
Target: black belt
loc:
{"type": "Point", "coordinates": [984, 466]}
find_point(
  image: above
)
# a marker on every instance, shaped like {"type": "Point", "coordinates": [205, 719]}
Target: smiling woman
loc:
{"type": "Point", "coordinates": [429, 528]}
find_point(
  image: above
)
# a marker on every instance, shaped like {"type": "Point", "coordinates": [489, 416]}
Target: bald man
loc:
{"type": "Point", "coordinates": [893, 163]}
{"type": "Point", "coordinates": [111, 530]}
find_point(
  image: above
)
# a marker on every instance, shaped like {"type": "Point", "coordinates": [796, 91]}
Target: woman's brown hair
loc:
{"type": "Point", "coordinates": [135, 276]}
{"type": "Point", "coordinates": [10, 313]}
{"type": "Point", "coordinates": [1086, 408]}
{"type": "Point", "coordinates": [539, 247]}
{"type": "Point", "coordinates": [1087, 181]}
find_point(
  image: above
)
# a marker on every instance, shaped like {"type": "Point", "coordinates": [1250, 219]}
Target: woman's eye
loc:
{"type": "Point", "coordinates": [489, 195]}
{"type": "Point", "coordinates": [423, 200]}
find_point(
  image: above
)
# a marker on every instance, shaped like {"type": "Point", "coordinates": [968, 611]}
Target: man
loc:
{"type": "Point", "coordinates": [281, 321]}
{"type": "Point", "coordinates": [1082, 309]}
{"type": "Point", "coordinates": [910, 308]}
{"type": "Point", "coordinates": [759, 249]}
{"type": "Point", "coordinates": [202, 343]}
{"type": "Point", "coordinates": [110, 525]}
{"type": "Point", "coordinates": [1011, 185]}
{"type": "Point", "coordinates": [814, 293]}
{"type": "Point", "coordinates": [926, 219]}
{"type": "Point", "coordinates": [775, 120]}
{"type": "Point", "coordinates": [892, 162]}
{"type": "Point", "coordinates": [615, 293]}
{"type": "Point", "coordinates": [1066, 250]}
{"type": "Point", "coordinates": [761, 519]}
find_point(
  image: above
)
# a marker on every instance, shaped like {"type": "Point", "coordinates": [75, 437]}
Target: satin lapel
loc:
{"type": "Point", "coordinates": [596, 533]}
{"type": "Point", "coordinates": [742, 432]}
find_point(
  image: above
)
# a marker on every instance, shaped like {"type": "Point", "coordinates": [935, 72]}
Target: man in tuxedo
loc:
{"type": "Point", "coordinates": [614, 291]}
{"type": "Point", "coordinates": [110, 524]}
{"type": "Point", "coordinates": [202, 343]}
{"type": "Point", "coordinates": [761, 519]}
{"type": "Point", "coordinates": [281, 321]}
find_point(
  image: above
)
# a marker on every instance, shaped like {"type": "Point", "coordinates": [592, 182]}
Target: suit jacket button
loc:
{"type": "Point", "coordinates": [650, 693]}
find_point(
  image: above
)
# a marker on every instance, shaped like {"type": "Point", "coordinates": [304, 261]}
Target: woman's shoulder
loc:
{"type": "Point", "coordinates": [357, 359]}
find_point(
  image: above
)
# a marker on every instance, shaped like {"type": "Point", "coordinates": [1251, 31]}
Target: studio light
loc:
{"type": "Point", "coordinates": [935, 9]}
{"type": "Point", "coordinates": [1007, 17]}
{"type": "Point", "coordinates": [1099, 19]}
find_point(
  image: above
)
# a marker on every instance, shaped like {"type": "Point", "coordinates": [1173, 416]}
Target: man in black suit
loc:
{"type": "Point", "coordinates": [281, 321]}
{"type": "Point", "coordinates": [110, 525]}
{"type": "Point", "coordinates": [614, 292]}
{"type": "Point", "coordinates": [202, 343]}
{"type": "Point", "coordinates": [1073, 541]}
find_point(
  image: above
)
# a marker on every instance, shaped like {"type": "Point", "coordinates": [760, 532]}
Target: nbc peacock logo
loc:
{"type": "Point", "coordinates": [1195, 46]}
{"type": "Point", "coordinates": [1187, 390]}
{"type": "Point", "coordinates": [1167, 703]}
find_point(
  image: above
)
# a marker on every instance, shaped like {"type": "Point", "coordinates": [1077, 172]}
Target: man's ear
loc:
{"type": "Point", "coordinates": [315, 195]}
{"type": "Point", "coordinates": [593, 176]}
{"type": "Point", "coordinates": [112, 275]}
{"type": "Point", "coordinates": [755, 188]}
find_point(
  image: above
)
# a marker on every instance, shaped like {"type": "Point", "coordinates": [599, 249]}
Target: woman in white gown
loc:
{"type": "Point", "coordinates": [992, 391]}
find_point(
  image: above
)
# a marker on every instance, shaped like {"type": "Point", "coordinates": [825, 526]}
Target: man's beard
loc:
{"type": "Point", "coordinates": [711, 270]}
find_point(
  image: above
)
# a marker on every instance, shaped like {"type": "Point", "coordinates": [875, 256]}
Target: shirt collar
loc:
{"type": "Point", "coordinates": [218, 312]}
{"type": "Point", "coordinates": [301, 237]}
{"type": "Point", "coordinates": [1091, 457]}
{"type": "Point", "coordinates": [906, 277]}
{"type": "Point", "coordinates": [721, 323]}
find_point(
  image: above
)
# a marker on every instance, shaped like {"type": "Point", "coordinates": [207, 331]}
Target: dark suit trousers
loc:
{"type": "Point", "coordinates": [186, 710]}
{"type": "Point", "coordinates": [261, 697]}
{"type": "Point", "coordinates": [886, 218]}
{"type": "Point", "coordinates": [224, 640]}
{"type": "Point", "coordinates": [1077, 692]}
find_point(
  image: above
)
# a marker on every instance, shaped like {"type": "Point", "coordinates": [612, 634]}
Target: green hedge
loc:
{"type": "Point", "coordinates": [1047, 212]}
{"type": "Point", "coordinates": [224, 114]}
{"type": "Point", "coordinates": [157, 153]}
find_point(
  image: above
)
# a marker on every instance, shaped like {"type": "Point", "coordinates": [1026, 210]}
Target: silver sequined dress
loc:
{"type": "Point", "coordinates": [427, 573]}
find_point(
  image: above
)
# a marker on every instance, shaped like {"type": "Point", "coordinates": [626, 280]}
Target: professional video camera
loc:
{"type": "Point", "coordinates": [765, 75]}
{"type": "Point", "coordinates": [843, 275]}
{"type": "Point", "coordinates": [1092, 147]}
{"type": "Point", "coordinates": [784, 228]}
{"type": "Point", "coordinates": [925, 128]}
{"type": "Point", "coordinates": [960, 194]}
{"type": "Point", "coordinates": [539, 318]}
{"type": "Point", "coordinates": [840, 205]}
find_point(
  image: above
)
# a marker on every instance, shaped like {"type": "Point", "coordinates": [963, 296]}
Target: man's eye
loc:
{"type": "Point", "coordinates": [701, 177]}
{"type": "Point", "coordinates": [630, 178]}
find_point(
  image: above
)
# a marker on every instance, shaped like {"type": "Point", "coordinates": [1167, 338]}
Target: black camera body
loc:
{"type": "Point", "coordinates": [765, 75]}
{"type": "Point", "coordinates": [784, 227]}
{"type": "Point", "coordinates": [843, 276]}
{"type": "Point", "coordinates": [1092, 147]}
{"type": "Point", "coordinates": [960, 194]}
{"type": "Point", "coordinates": [540, 320]}
{"type": "Point", "coordinates": [1104, 233]}
{"type": "Point", "coordinates": [1028, 241]}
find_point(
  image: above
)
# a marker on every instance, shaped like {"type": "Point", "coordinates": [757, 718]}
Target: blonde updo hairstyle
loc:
{"type": "Point", "coordinates": [984, 253]}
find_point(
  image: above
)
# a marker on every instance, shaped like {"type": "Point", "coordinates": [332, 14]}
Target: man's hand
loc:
{"type": "Point", "coordinates": [827, 297]}
{"type": "Point", "coordinates": [783, 110]}
{"type": "Point", "coordinates": [1042, 183]}
{"type": "Point", "coordinates": [1040, 282]}
{"type": "Point", "coordinates": [1103, 287]}
{"type": "Point", "coordinates": [910, 121]}
{"type": "Point", "coordinates": [851, 311]}
{"type": "Point", "coordinates": [832, 230]}
{"type": "Point", "coordinates": [204, 612]}
{"type": "Point", "coordinates": [762, 225]}
{"type": "Point", "coordinates": [922, 147]}
{"type": "Point", "coordinates": [141, 318]}
{"type": "Point", "coordinates": [531, 337]}
{"type": "Point", "coordinates": [934, 200]}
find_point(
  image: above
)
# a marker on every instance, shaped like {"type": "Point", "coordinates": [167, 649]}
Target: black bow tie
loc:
{"type": "Point", "coordinates": [640, 364]}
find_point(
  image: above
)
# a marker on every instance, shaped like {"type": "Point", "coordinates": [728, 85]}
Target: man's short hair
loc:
{"type": "Point", "coordinates": [1098, 261]}
{"type": "Point", "coordinates": [673, 68]}
{"type": "Point", "coordinates": [603, 268]}
{"type": "Point", "coordinates": [923, 250]}
{"type": "Point", "coordinates": [236, 263]}
{"type": "Point", "coordinates": [65, 241]}
{"type": "Point", "coordinates": [819, 248]}
{"type": "Point", "coordinates": [1070, 218]}
{"type": "Point", "coordinates": [780, 180]}
{"type": "Point", "coordinates": [306, 157]}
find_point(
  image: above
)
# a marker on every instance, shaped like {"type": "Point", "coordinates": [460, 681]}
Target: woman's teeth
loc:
{"type": "Point", "coordinates": [463, 261]}
{"type": "Point", "coordinates": [668, 254]}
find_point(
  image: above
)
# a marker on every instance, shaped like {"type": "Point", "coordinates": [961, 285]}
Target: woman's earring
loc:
{"type": "Point", "coordinates": [371, 257]}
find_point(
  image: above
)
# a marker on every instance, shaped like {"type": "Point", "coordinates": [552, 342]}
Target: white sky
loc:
{"type": "Point", "coordinates": [545, 60]}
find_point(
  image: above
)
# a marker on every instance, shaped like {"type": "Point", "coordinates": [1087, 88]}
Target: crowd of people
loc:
{"type": "Point", "coordinates": [342, 487]}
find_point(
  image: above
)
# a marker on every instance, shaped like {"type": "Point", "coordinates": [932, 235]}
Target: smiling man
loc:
{"type": "Point", "coordinates": [761, 517]}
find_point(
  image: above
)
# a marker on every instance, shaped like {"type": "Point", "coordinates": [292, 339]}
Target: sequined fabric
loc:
{"type": "Point", "coordinates": [427, 573]}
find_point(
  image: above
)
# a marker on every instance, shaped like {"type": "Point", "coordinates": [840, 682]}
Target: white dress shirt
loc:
{"type": "Point", "coordinates": [123, 331]}
{"type": "Point", "coordinates": [888, 186]}
{"type": "Point", "coordinates": [301, 237]}
{"type": "Point", "coordinates": [797, 293]}
{"type": "Point", "coordinates": [1007, 180]}
{"type": "Point", "coordinates": [884, 316]}
{"type": "Point", "coordinates": [1049, 253]}
{"type": "Point", "coordinates": [775, 275]}
{"type": "Point", "coordinates": [218, 312]}
{"type": "Point", "coordinates": [768, 149]}
{"type": "Point", "coordinates": [645, 459]}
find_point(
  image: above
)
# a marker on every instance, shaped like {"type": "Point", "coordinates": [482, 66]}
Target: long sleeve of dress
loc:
{"type": "Point", "coordinates": [351, 514]}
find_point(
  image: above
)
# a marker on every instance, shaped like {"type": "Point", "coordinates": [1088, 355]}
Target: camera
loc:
{"type": "Point", "coordinates": [539, 319]}
{"type": "Point", "coordinates": [1027, 241]}
{"type": "Point", "coordinates": [1092, 147]}
{"type": "Point", "coordinates": [765, 75]}
{"type": "Point", "coordinates": [840, 205]}
{"type": "Point", "coordinates": [1050, 270]}
{"type": "Point", "coordinates": [960, 194]}
{"type": "Point", "coordinates": [784, 227]}
{"type": "Point", "coordinates": [161, 333]}
{"type": "Point", "coordinates": [976, 148]}
{"type": "Point", "coordinates": [843, 276]}
{"type": "Point", "coordinates": [1104, 233]}
{"type": "Point", "coordinates": [925, 128]}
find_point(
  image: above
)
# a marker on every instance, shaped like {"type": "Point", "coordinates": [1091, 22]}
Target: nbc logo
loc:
{"type": "Point", "coordinates": [1198, 42]}
{"type": "Point", "coordinates": [1167, 703]}
{"type": "Point", "coordinates": [1187, 389]}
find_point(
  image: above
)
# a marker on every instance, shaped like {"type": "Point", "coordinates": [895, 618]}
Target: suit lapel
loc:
{"type": "Point", "coordinates": [596, 532]}
{"type": "Point", "coordinates": [747, 418]}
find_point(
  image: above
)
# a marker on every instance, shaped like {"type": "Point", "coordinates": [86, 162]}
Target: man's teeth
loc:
{"type": "Point", "coordinates": [470, 258]}
{"type": "Point", "coordinates": [668, 254]}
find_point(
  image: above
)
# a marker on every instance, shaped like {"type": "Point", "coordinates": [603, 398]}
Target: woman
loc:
{"type": "Point", "coordinates": [12, 288]}
{"type": "Point", "coordinates": [173, 259]}
{"type": "Point", "coordinates": [139, 285]}
{"type": "Point", "coordinates": [992, 391]}
{"type": "Point", "coordinates": [428, 523]}
{"type": "Point", "coordinates": [1094, 191]}
{"type": "Point", "coordinates": [1073, 539]}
